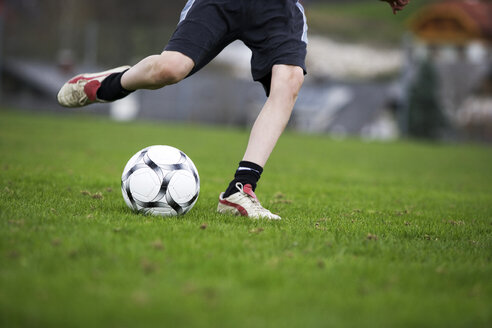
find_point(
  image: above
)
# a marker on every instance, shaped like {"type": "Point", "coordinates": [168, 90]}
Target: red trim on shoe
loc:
{"type": "Point", "coordinates": [241, 209]}
{"type": "Point", "coordinates": [90, 89]}
{"type": "Point", "coordinates": [76, 79]}
{"type": "Point", "coordinates": [248, 189]}
{"type": "Point", "coordinates": [82, 77]}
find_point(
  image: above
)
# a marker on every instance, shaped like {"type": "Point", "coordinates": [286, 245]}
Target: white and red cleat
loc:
{"type": "Point", "coordinates": [82, 89]}
{"type": "Point", "coordinates": [244, 203]}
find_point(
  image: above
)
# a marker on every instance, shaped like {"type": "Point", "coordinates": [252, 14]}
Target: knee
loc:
{"type": "Point", "coordinates": [295, 81]}
{"type": "Point", "coordinates": [287, 80]}
{"type": "Point", "coordinates": [170, 69]}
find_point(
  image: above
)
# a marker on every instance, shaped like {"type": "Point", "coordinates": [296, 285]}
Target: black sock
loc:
{"type": "Point", "coordinates": [111, 89]}
{"type": "Point", "coordinates": [247, 173]}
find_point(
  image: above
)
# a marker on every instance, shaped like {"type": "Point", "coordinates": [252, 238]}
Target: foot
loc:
{"type": "Point", "coordinates": [244, 203]}
{"type": "Point", "coordinates": [82, 90]}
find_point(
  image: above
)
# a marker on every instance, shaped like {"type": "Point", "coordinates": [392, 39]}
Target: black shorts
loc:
{"type": "Point", "coordinates": [274, 30]}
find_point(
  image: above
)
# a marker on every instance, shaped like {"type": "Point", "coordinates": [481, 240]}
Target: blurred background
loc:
{"type": "Point", "coordinates": [424, 73]}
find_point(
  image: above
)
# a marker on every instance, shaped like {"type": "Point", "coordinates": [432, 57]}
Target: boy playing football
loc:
{"type": "Point", "coordinates": [276, 33]}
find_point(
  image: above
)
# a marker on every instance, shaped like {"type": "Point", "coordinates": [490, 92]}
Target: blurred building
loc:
{"type": "Point", "coordinates": [349, 90]}
{"type": "Point", "coordinates": [457, 37]}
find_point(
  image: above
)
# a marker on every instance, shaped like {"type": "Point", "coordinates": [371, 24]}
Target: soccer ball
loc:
{"type": "Point", "coordinates": [160, 180]}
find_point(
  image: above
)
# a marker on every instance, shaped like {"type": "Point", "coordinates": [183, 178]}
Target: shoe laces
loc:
{"type": "Point", "coordinates": [80, 92]}
{"type": "Point", "coordinates": [77, 93]}
{"type": "Point", "coordinates": [255, 202]}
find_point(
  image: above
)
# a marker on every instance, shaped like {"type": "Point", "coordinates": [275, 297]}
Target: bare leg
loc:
{"type": "Point", "coordinates": [286, 83]}
{"type": "Point", "coordinates": [157, 71]}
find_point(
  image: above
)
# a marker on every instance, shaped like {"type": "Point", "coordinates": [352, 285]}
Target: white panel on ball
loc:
{"type": "Point", "coordinates": [182, 185]}
{"type": "Point", "coordinates": [160, 180]}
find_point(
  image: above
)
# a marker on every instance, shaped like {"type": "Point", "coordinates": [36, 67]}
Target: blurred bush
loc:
{"type": "Point", "coordinates": [426, 119]}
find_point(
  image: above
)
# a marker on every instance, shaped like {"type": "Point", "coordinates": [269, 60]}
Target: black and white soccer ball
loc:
{"type": "Point", "coordinates": [160, 180]}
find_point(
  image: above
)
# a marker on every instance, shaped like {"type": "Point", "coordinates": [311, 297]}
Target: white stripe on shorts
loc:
{"type": "Point", "coordinates": [186, 9]}
{"type": "Point", "coordinates": [305, 29]}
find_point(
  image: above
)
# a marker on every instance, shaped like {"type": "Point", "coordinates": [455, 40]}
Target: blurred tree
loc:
{"type": "Point", "coordinates": [426, 119]}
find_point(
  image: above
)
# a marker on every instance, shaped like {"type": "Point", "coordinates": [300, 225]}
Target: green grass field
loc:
{"type": "Point", "coordinates": [374, 234]}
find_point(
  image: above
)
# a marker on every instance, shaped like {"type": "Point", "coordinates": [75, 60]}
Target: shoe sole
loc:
{"type": "Point", "coordinates": [230, 210]}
